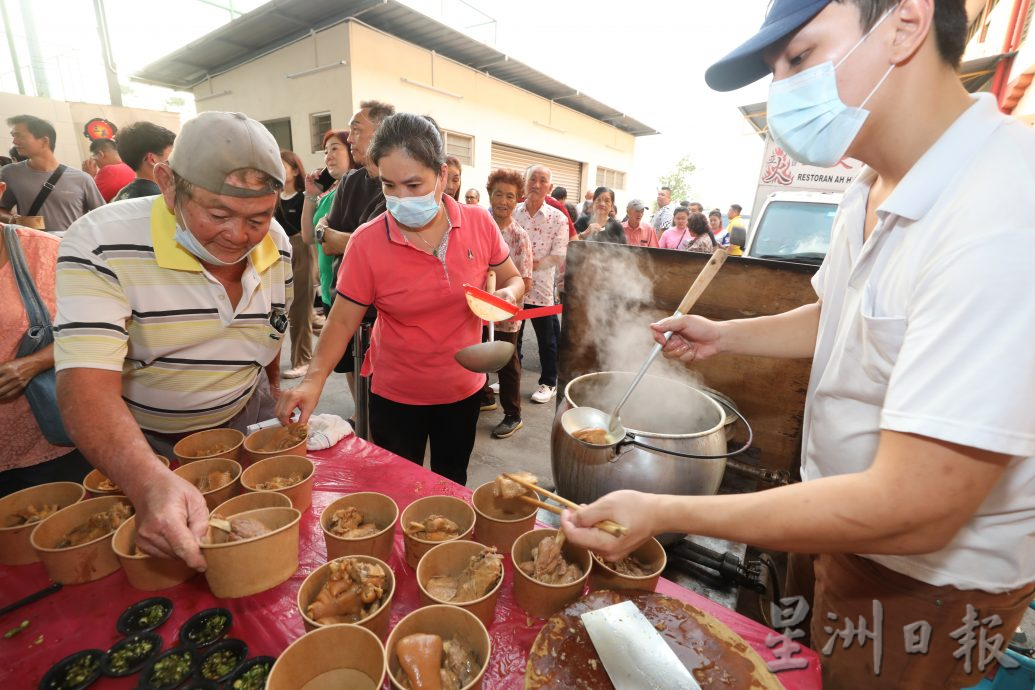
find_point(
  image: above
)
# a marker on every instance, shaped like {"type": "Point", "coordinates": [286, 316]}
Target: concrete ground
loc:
{"type": "Point", "coordinates": [528, 449]}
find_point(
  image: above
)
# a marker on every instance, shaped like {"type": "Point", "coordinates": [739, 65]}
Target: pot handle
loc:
{"type": "Point", "coordinates": [630, 441]}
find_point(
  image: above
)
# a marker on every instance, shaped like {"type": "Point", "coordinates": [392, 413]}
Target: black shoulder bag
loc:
{"type": "Point", "coordinates": [42, 389]}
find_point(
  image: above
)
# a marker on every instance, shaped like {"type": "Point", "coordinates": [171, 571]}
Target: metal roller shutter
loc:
{"type": "Point", "coordinates": [564, 173]}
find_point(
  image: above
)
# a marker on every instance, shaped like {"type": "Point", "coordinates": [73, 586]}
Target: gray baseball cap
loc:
{"type": "Point", "coordinates": [214, 144]}
{"type": "Point", "coordinates": [636, 205]}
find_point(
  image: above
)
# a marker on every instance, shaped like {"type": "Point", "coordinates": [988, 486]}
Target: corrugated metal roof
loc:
{"type": "Point", "coordinates": [976, 76]}
{"type": "Point", "coordinates": [281, 22]}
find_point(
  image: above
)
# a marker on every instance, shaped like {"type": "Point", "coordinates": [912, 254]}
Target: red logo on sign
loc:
{"type": "Point", "coordinates": [778, 168]}
{"type": "Point", "coordinates": [99, 128]}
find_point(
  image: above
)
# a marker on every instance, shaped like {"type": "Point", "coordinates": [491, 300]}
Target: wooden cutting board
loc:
{"type": "Point", "coordinates": [563, 657]}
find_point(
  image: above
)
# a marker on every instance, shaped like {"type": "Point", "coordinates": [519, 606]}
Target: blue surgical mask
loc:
{"type": "Point", "coordinates": [186, 239]}
{"type": "Point", "coordinates": [807, 117]}
{"type": "Point", "coordinates": [413, 211]}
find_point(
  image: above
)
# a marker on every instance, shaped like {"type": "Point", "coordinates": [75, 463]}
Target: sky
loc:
{"type": "Point", "coordinates": [646, 59]}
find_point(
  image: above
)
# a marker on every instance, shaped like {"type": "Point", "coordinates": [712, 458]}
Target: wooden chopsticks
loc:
{"type": "Point", "coordinates": [609, 526]}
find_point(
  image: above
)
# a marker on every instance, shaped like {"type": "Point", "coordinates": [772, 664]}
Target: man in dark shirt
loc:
{"type": "Point", "coordinates": [358, 200]}
{"type": "Point", "coordinates": [142, 145]}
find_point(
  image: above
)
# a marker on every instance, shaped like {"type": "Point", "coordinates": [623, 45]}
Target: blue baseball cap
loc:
{"type": "Point", "coordinates": [745, 65]}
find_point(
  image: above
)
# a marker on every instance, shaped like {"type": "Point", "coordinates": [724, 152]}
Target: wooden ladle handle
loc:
{"type": "Point", "coordinates": [702, 281]}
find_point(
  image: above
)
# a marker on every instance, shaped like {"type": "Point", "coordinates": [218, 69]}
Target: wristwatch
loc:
{"type": "Point", "coordinates": [318, 233]}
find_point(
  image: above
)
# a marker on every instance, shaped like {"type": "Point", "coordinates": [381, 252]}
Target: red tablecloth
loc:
{"type": "Point", "coordinates": [83, 616]}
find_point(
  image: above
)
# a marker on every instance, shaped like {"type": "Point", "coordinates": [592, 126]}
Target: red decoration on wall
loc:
{"type": "Point", "coordinates": [99, 128]}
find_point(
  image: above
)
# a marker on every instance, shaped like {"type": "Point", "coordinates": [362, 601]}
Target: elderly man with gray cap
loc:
{"type": "Point", "coordinates": [171, 311]}
{"type": "Point", "coordinates": [638, 233]}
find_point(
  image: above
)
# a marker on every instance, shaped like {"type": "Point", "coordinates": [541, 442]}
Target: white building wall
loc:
{"type": "Point", "coordinates": [483, 107]}
{"type": "Point", "coordinates": [487, 109]}
{"type": "Point", "coordinates": [261, 88]}
{"type": "Point", "coordinates": [69, 118]}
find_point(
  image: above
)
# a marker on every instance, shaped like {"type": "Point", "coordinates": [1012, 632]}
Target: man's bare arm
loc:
{"type": "Point", "coordinates": [915, 497]}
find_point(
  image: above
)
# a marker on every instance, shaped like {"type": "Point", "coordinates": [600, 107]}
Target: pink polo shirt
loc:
{"type": "Point", "coordinates": [642, 236]}
{"type": "Point", "coordinates": [423, 317]}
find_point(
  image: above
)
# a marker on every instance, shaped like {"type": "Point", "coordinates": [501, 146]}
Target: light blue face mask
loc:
{"type": "Point", "coordinates": [186, 239]}
{"type": "Point", "coordinates": [807, 117]}
{"type": "Point", "coordinates": [413, 211]}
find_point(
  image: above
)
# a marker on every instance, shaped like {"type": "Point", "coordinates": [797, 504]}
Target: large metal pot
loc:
{"type": "Point", "coordinates": [662, 413]}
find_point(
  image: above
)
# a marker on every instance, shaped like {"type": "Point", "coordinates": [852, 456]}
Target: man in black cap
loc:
{"type": "Point", "coordinates": [171, 311]}
{"type": "Point", "coordinates": [918, 454]}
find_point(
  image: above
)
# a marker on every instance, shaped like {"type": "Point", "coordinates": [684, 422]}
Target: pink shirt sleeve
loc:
{"type": "Point", "coordinates": [356, 276]}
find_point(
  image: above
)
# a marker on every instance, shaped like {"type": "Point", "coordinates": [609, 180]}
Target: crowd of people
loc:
{"type": "Point", "coordinates": [107, 316]}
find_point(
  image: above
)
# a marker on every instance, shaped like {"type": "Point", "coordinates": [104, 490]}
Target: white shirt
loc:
{"type": "Point", "coordinates": [548, 232]}
{"type": "Point", "coordinates": [928, 328]}
{"type": "Point", "coordinates": [662, 220]}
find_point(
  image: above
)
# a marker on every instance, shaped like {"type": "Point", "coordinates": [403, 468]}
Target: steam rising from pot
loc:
{"type": "Point", "coordinates": [617, 292]}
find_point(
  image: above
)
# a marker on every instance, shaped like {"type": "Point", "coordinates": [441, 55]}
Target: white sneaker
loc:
{"type": "Point", "coordinates": [495, 388]}
{"type": "Point", "coordinates": [295, 373]}
{"type": "Point", "coordinates": [544, 393]}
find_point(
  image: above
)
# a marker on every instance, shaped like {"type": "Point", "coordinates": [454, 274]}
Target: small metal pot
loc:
{"type": "Point", "coordinates": [662, 417]}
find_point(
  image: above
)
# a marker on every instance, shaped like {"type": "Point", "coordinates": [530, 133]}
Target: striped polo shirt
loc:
{"type": "Point", "coordinates": [131, 299]}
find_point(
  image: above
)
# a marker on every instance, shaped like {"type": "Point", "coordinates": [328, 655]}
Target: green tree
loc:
{"type": "Point", "coordinates": [679, 180]}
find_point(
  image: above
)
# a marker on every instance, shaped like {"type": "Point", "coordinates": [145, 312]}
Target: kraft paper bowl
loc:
{"type": "Point", "coordinates": [538, 598]}
{"type": "Point", "coordinates": [376, 508]}
{"type": "Point", "coordinates": [255, 446]}
{"type": "Point", "coordinates": [377, 622]}
{"type": "Point", "coordinates": [333, 656]}
{"type": "Point", "coordinates": [199, 446]}
{"type": "Point", "coordinates": [240, 568]}
{"type": "Point", "coordinates": [76, 564]}
{"type": "Point", "coordinates": [144, 572]}
{"type": "Point", "coordinates": [500, 521]}
{"type": "Point", "coordinates": [251, 501]}
{"type": "Point", "coordinates": [651, 554]}
{"type": "Point", "coordinates": [195, 471]}
{"type": "Point", "coordinates": [301, 494]}
{"type": "Point", "coordinates": [447, 622]}
{"type": "Point", "coordinates": [15, 547]}
{"type": "Point", "coordinates": [455, 509]}
{"type": "Point", "coordinates": [450, 558]}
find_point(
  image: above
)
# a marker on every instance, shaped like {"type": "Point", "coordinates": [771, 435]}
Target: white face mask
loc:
{"type": "Point", "coordinates": [413, 211]}
{"type": "Point", "coordinates": [807, 117]}
{"type": "Point", "coordinates": [186, 239]}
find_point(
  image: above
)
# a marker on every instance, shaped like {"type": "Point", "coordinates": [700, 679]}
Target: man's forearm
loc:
{"type": "Point", "coordinates": [879, 510]}
{"type": "Point", "coordinates": [548, 261]}
{"type": "Point", "coordinates": [308, 209]}
{"type": "Point", "coordinates": [831, 515]}
{"type": "Point", "coordinates": [791, 335]}
{"type": "Point", "coordinates": [117, 447]}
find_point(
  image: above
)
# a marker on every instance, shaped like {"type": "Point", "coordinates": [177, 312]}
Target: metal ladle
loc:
{"type": "Point", "coordinates": [580, 418]}
{"type": "Point", "coordinates": [491, 355]}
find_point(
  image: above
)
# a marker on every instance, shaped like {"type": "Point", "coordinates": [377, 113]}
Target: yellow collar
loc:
{"type": "Point", "coordinates": [169, 254]}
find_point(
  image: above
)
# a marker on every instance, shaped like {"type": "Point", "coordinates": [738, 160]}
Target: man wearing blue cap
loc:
{"type": "Point", "coordinates": [918, 440]}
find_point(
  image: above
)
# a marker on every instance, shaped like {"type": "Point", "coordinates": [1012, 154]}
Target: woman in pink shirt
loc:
{"type": "Point", "coordinates": [26, 459]}
{"type": "Point", "coordinates": [411, 262]}
{"type": "Point", "coordinates": [689, 233]}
